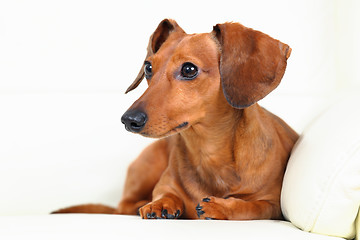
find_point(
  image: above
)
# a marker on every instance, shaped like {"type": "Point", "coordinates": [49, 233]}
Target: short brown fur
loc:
{"type": "Point", "coordinates": [228, 161]}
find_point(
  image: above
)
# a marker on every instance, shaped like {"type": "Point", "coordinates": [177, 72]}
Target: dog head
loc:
{"type": "Point", "coordinates": [190, 75]}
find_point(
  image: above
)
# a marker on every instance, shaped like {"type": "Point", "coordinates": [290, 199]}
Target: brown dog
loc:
{"type": "Point", "coordinates": [220, 156]}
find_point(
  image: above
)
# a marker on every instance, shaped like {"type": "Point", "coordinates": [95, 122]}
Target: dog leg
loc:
{"type": "Point", "coordinates": [167, 207]}
{"type": "Point", "coordinates": [237, 209]}
{"type": "Point", "coordinates": [166, 202]}
{"type": "Point", "coordinates": [142, 176]}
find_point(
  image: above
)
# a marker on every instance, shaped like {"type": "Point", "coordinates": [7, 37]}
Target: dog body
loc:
{"type": "Point", "coordinates": [220, 156]}
{"type": "Point", "coordinates": [239, 169]}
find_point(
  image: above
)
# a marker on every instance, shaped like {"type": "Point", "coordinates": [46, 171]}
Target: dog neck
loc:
{"type": "Point", "coordinates": [209, 149]}
{"type": "Point", "coordinates": [213, 137]}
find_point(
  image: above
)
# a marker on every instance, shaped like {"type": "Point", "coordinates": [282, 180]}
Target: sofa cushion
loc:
{"type": "Point", "coordinates": [100, 226]}
{"type": "Point", "coordinates": [321, 189]}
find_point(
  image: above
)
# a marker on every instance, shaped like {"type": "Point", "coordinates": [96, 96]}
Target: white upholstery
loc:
{"type": "Point", "coordinates": [321, 190]}
{"type": "Point", "coordinates": [85, 226]}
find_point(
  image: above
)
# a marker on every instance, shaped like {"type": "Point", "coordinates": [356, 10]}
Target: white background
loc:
{"type": "Point", "coordinates": [98, 46]}
{"type": "Point", "coordinates": [64, 66]}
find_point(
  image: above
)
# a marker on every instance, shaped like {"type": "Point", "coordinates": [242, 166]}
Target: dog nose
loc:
{"type": "Point", "coordinates": [134, 120]}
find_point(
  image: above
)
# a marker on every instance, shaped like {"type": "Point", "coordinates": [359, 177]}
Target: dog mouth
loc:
{"type": "Point", "coordinates": [174, 130]}
{"type": "Point", "coordinates": [184, 124]}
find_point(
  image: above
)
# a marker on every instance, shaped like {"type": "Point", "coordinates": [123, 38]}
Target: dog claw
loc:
{"type": "Point", "coordinates": [177, 214]}
{"type": "Point", "coordinates": [170, 216]}
{"type": "Point", "coordinates": [199, 210]}
{"type": "Point", "coordinates": [209, 218]}
{"type": "Point", "coordinates": [165, 214]}
{"type": "Point", "coordinates": [199, 213]}
{"type": "Point", "coordinates": [151, 215]}
{"type": "Point", "coordinates": [198, 207]}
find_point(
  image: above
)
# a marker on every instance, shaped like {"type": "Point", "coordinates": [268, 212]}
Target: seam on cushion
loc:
{"type": "Point", "coordinates": [357, 224]}
{"type": "Point", "coordinates": [316, 214]}
{"type": "Point", "coordinates": [311, 219]}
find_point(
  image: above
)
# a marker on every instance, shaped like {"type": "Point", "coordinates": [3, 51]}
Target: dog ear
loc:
{"type": "Point", "coordinates": [251, 63]}
{"type": "Point", "coordinates": [161, 34]}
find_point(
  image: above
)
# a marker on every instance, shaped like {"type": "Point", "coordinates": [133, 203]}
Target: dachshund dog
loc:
{"type": "Point", "coordinates": [220, 155]}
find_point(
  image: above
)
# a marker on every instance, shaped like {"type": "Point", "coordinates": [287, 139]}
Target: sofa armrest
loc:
{"type": "Point", "coordinates": [321, 188]}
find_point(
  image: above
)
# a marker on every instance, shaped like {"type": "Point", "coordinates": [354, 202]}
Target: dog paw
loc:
{"type": "Point", "coordinates": [211, 208]}
{"type": "Point", "coordinates": [164, 208]}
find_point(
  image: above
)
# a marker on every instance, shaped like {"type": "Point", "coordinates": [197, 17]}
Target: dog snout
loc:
{"type": "Point", "coordinates": [134, 120]}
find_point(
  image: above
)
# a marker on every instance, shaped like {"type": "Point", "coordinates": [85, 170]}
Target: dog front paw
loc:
{"type": "Point", "coordinates": [211, 208]}
{"type": "Point", "coordinates": [165, 208]}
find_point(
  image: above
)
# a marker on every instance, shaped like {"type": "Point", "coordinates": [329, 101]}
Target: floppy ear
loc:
{"type": "Point", "coordinates": [161, 34]}
{"type": "Point", "coordinates": [251, 63]}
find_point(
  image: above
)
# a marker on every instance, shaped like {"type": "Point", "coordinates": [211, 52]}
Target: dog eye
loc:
{"type": "Point", "coordinates": [148, 70]}
{"type": "Point", "coordinates": [189, 71]}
